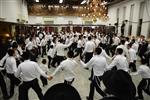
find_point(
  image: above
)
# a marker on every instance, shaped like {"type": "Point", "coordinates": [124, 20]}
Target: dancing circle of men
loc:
{"type": "Point", "coordinates": [94, 50]}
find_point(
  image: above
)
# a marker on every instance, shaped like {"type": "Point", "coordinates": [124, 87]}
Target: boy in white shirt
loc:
{"type": "Point", "coordinates": [44, 67]}
{"type": "Point", "coordinates": [50, 55]}
{"type": "Point", "coordinates": [132, 58]}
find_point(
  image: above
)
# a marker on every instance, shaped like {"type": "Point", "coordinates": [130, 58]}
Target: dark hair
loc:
{"type": "Point", "coordinates": [127, 38]}
{"type": "Point", "coordinates": [119, 50]}
{"type": "Point", "coordinates": [70, 54]}
{"type": "Point", "coordinates": [51, 46]}
{"type": "Point", "coordinates": [98, 51]}
{"type": "Point", "coordinates": [89, 38]}
{"type": "Point", "coordinates": [14, 45]}
{"type": "Point", "coordinates": [61, 40]}
{"type": "Point", "coordinates": [25, 55]}
{"type": "Point", "coordinates": [43, 61]}
{"type": "Point", "coordinates": [130, 45]}
{"type": "Point", "coordinates": [62, 91]}
{"type": "Point", "coordinates": [11, 52]}
{"type": "Point", "coordinates": [123, 42]}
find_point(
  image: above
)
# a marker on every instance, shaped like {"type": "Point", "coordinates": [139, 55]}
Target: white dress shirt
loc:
{"type": "Point", "coordinates": [125, 50]}
{"type": "Point", "coordinates": [116, 41]}
{"type": "Point", "coordinates": [120, 62]}
{"type": "Point", "coordinates": [68, 67]}
{"type": "Point", "coordinates": [29, 46]}
{"type": "Point", "coordinates": [135, 46]}
{"type": "Point", "coordinates": [51, 52]}
{"type": "Point", "coordinates": [29, 70]}
{"type": "Point", "coordinates": [132, 55]}
{"type": "Point", "coordinates": [89, 47]}
{"type": "Point", "coordinates": [43, 42]}
{"type": "Point", "coordinates": [60, 49]}
{"type": "Point", "coordinates": [104, 54]}
{"type": "Point", "coordinates": [44, 67]}
{"type": "Point", "coordinates": [96, 41]}
{"type": "Point", "coordinates": [98, 63]}
{"type": "Point", "coordinates": [144, 71]}
{"type": "Point", "coordinates": [11, 66]}
{"type": "Point", "coordinates": [79, 44]}
{"type": "Point", "coordinates": [3, 59]}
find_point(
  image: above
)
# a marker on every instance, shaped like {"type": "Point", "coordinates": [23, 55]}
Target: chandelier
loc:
{"type": "Point", "coordinates": [95, 9]}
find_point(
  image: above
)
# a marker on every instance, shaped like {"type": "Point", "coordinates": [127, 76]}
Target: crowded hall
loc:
{"type": "Point", "coordinates": [74, 49]}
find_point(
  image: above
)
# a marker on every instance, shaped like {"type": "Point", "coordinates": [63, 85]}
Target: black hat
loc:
{"type": "Point", "coordinates": [120, 84]}
{"type": "Point", "coordinates": [62, 91]}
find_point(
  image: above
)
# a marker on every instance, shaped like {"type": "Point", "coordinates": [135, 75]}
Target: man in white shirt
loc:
{"type": "Point", "coordinates": [119, 61]}
{"type": "Point", "coordinates": [80, 46]}
{"type": "Point", "coordinates": [89, 49]}
{"type": "Point", "coordinates": [29, 45]}
{"type": "Point", "coordinates": [125, 50]}
{"type": "Point", "coordinates": [11, 68]}
{"type": "Point", "coordinates": [60, 51]}
{"type": "Point", "coordinates": [43, 46]}
{"type": "Point", "coordinates": [99, 65]}
{"type": "Point", "coordinates": [3, 85]}
{"type": "Point", "coordinates": [29, 71]}
{"type": "Point", "coordinates": [116, 42]}
{"type": "Point", "coordinates": [68, 67]}
{"type": "Point", "coordinates": [132, 58]}
{"type": "Point", "coordinates": [96, 41]}
{"type": "Point", "coordinates": [144, 84]}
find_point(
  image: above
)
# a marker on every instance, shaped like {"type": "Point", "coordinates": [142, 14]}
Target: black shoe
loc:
{"type": "Point", "coordinates": [139, 98]}
{"type": "Point", "coordinates": [6, 97]}
{"type": "Point", "coordinates": [87, 98]}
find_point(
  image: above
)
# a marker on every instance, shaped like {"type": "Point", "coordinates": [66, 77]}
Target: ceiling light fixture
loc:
{"type": "Point", "coordinates": [83, 2]}
{"type": "Point", "coordinates": [36, 0]}
{"type": "Point", "coordinates": [60, 1]}
{"type": "Point", "coordinates": [96, 9]}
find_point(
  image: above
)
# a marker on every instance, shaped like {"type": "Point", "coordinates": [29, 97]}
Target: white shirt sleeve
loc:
{"type": "Point", "coordinates": [88, 64]}
{"type": "Point", "coordinates": [41, 71]}
{"type": "Point", "coordinates": [65, 46]}
{"type": "Point", "coordinates": [18, 72]}
{"type": "Point", "coordinates": [108, 57]}
{"type": "Point", "coordinates": [57, 69]}
{"type": "Point", "coordinates": [113, 63]}
{"type": "Point", "coordinates": [1, 68]}
{"type": "Point", "coordinates": [85, 49]}
{"type": "Point", "coordinates": [14, 66]}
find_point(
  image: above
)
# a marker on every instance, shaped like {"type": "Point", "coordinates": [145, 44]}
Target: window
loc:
{"type": "Point", "coordinates": [131, 19]}
{"type": "Point", "coordinates": [124, 13]}
{"type": "Point", "coordinates": [141, 12]}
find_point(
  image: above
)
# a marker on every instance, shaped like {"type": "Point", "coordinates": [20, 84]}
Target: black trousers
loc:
{"type": "Point", "coordinates": [144, 85]}
{"type": "Point", "coordinates": [3, 86]}
{"type": "Point", "coordinates": [68, 82]}
{"type": "Point", "coordinates": [39, 50]}
{"type": "Point", "coordinates": [49, 61]}
{"type": "Point", "coordinates": [95, 84]}
{"type": "Point", "coordinates": [44, 80]}
{"type": "Point", "coordinates": [43, 50]}
{"type": "Point", "coordinates": [25, 86]}
{"type": "Point", "coordinates": [58, 60]}
{"type": "Point", "coordinates": [13, 82]}
{"type": "Point", "coordinates": [88, 56]}
{"type": "Point", "coordinates": [79, 52]}
{"type": "Point", "coordinates": [113, 49]}
{"type": "Point", "coordinates": [132, 66]}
